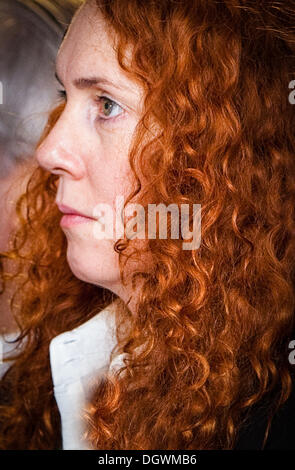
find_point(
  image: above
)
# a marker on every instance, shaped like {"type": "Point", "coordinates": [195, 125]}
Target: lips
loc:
{"type": "Point", "coordinates": [70, 211]}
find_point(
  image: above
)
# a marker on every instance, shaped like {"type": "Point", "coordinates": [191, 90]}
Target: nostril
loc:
{"type": "Point", "coordinates": [59, 157]}
{"type": "Point", "coordinates": [57, 171]}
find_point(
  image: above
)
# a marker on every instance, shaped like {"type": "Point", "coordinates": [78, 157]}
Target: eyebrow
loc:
{"type": "Point", "coordinates": [91, 82]}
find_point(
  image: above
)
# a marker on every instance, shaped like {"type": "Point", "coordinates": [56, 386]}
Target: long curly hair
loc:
{"type": "Point", "coordinates": [209, 338]}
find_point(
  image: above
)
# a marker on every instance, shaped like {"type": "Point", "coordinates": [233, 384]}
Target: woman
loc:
{"type": "Point", "coordinates": [173, 103]}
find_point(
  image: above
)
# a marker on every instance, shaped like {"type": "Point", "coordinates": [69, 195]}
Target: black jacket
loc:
{"type": "Point", "coordinates": [282, 431]}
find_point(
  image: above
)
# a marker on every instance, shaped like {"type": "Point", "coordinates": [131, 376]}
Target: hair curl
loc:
{"type": "Point", "coordinates": [212, 324]}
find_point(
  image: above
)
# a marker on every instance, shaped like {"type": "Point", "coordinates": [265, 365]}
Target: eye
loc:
{"type": "Point", "coordinates": [109, 108]}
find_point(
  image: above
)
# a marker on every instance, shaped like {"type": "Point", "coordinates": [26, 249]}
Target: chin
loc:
{"type": "Point", "coordinates": [93, 268]}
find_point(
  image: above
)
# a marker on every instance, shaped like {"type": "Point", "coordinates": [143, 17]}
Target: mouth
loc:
{"type": "Point", "coordinates": [72, 216]}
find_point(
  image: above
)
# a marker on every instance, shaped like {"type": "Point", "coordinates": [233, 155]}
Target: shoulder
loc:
{"type": "Point", "coordinates": [84, 349]}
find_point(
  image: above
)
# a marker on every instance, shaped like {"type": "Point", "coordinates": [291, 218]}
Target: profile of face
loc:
{"type": "Point", "coordinates": [88, 146]}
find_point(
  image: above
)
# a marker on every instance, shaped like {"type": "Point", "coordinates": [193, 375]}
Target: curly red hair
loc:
{"type": "Point", "coordinates": [212, 325]}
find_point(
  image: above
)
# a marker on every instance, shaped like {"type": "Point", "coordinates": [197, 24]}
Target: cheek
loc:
{"type": "Point", "coordinates": [111, 174]}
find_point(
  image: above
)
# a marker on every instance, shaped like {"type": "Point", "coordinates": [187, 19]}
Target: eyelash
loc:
{"type": "Point", "coordinates": [62, 94]}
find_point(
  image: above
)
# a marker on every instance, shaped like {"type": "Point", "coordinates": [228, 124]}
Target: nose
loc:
{"type": "Point", "coordinates": [59, 151]}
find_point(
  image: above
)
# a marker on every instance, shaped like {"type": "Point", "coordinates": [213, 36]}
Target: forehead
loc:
{"type": "Point", "coordinates": [88, 46]}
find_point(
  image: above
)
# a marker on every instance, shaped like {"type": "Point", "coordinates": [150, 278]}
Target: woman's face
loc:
{"type": "Point", "coordinates": [88, 146]}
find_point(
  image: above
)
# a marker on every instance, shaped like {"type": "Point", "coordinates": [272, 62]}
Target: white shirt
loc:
{"type": "Point", "coordinates": [77, 357]}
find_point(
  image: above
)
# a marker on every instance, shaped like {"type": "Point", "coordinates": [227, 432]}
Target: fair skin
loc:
{"type": "Point", "coordinates": [88, 146]}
